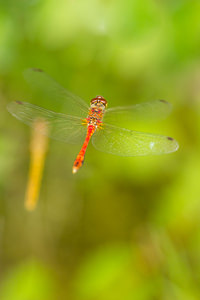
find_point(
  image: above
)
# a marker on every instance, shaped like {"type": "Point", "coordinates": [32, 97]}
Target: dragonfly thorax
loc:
{"type": "Point", "coordinates": [96, 111]}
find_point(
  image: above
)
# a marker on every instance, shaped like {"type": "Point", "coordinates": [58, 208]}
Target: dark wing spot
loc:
{"type": "Point", "coordinates": [37, 70]}
{"type": "Point", "coordinates": [163, 101]}
{"type": "Point", "coordinates": [19, 102]}
{"type": "Point", "coordinates": [170, 138]}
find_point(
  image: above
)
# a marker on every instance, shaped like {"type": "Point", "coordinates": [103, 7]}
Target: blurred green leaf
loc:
{"type": "Point", "coordinates": [102, 270]}
{"type": "Point", "coordinates": [28, 281]}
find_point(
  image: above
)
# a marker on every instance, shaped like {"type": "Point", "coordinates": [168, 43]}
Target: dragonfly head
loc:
{"type": "Point", "coordinates": [99, 100]}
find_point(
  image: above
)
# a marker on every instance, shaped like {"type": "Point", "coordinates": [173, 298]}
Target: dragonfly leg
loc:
{"type": "Point", "coordinates": [84, 122]}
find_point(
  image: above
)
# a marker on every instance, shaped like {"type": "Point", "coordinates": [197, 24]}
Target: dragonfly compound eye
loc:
{"type": "Point", "coordinates": [99, 99]}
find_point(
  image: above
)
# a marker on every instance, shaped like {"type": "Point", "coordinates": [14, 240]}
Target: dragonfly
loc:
{"type": "Point", "coordinates": [82, 122]}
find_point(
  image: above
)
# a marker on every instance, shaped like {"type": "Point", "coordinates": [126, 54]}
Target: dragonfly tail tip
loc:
{"type": "Point", "coordinates": [74, 170]}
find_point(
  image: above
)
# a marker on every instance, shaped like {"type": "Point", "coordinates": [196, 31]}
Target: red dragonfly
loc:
{"type": "Point", "coordinates": [83, 123]}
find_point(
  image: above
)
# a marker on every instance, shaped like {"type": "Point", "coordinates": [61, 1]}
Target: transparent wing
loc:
{"type": "Point", "coordinates": [147, 111]}
{"type": "Point", "coordinates": [72, 104]}
{"type": "Point", "coordinates": [60, 127]}
{"type": "Point", "coordinates": [124, 142]}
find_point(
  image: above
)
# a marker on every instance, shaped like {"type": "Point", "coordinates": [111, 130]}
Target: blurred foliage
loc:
{"type": "Point", "coordinates": [122, 228]}
{"type": "Point", "coordinates": [27, 281]}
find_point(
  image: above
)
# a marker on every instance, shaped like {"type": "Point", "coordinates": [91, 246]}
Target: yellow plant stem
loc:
{"type": "Point", "coordinates": [38, 150]}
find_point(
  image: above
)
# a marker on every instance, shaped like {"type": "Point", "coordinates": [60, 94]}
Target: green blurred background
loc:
{"type": "Point", "coordinates": [121, 228]}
